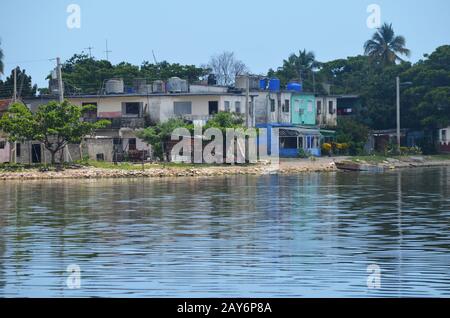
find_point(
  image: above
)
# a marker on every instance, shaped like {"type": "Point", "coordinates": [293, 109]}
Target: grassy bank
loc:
{"type": "Point", "coordinates": [378, 159]}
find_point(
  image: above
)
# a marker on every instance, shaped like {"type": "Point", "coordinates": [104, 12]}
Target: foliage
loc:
{"type": "Point", "coordinates": [353, 134]}
{"type": "Point", "coordinates": [158, 135]}
{"type": "Point", "coordinates": [224, 120]}
{"type": "Point", "coordinates": [83, 74]}
{"type": "Point", "coordinates": [161, 133]}
{"type": "Point", "coordinates": [19, 123]}
{"type": "Point", "coordinates": [385, 47]}
{"type": "Point", "coordinates": [301, 68]}
{"type": "Point", "coordinates": [410, 151]}
{"type": "Point", "coordinates": [54, 124]}
{"type": "Point", "coordinates": [303, 154]}
{"type": "Point", "coordinates": [25, 88]}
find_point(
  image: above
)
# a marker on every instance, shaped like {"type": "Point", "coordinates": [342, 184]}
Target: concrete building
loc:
{"type": "Point", "coordinates": [444, 140]}
{"type": "Point", "coordinates": [326, 107]}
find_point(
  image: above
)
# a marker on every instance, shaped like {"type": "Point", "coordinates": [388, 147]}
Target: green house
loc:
{"type": "Point", "coordinates": [303, 109]}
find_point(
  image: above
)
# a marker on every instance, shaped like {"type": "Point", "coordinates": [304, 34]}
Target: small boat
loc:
{"type": "Point", "coordinates": [354, 166]}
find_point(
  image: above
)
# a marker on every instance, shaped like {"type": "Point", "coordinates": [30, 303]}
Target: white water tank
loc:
{"type": "Point", "coordinates": [114, 86]}
{"type": "Point", "coordinates": [177, 85]}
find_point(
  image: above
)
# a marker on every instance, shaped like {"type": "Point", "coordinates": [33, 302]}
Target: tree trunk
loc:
{"type": "Point", "coordinates": [53, 153]}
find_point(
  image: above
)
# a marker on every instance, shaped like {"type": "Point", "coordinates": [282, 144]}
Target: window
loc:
{"type": "Point", "coordinates": [131, 109]}
{"type": "Point", "coordinates": [100, 157]}
{"type": "Point", "coordinates": [18, 149]}
{"type": "Point", "coordinates": [132, 144]}
{"type": "Point", "coordinates": [288, 142]}
{"type": "Point", "coordinates": [331, 107]}
{"type": "Point", "coordinates": [213, 107]}
{"type": "Point", "coordinates": [237, 105]}
{"type": "Point", "coordinates": [319, 107]}
{"type": "Point", "coordinates": [182, 108]}
{"type": "Point", "coordinates": [272, 105]}
{"type": "Point", "coordinates": [286, 106]}
{"type": "Point", "coordinates": [227, 106]}
{"type": "Point", "coordinates": [2, 144]}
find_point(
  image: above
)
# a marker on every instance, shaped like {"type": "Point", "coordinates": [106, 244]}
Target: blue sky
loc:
{"type": "Point", "coordinates": [261, 33]}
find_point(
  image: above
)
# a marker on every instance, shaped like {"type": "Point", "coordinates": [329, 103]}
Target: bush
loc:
{"type": "Point", "coordinates": [302, 154]}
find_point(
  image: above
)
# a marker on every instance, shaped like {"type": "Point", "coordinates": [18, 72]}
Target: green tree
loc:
{"type": "Point", "coordinates": [353, 133]}
{"type": "Point", "coordinates": [55, 125]}
{"type": "Point", "coordinates": [224, 120]}
{"type": "Point", "coordinates": [83, 74]}
{"type": "Point", "coordinates": [157, 136]}
{"type": "Point", "coordinates": [385, 47]}
{"type": "Point", "coordinates": [302, 67]}
{"type": "Point", "coordinates": [25, 88]}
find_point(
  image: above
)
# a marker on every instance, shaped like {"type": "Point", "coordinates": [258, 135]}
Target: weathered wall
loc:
{"type": "Point", "coordinates": [326, 118]}
{"type": "Point", "coordinates": [303, 109]}
{"type": "Point", "coordinates": [264, 113]}
{"type": "Point", "coordinates": [5, 151]}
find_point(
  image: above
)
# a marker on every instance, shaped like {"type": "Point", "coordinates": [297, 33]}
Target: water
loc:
{"type": "Point", "coordinates": [243, 236]}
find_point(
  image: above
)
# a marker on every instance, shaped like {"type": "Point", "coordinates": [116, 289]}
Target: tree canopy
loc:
{"type": "Point", "coordinates": [25, 88]}
{"type": "Point", "coordinates": [385, 47]}
{"type": "Point", "coordinates": [54, 124]}
{"type": "Point", "coordinates": [83, 74]}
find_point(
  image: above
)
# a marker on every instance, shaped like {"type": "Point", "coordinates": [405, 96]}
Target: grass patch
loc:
{"type": "Point", "coordinates": [146, 166]}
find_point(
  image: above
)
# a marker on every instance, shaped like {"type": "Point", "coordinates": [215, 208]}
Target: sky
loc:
{"type": "Point", "coordinates": [261, 33]}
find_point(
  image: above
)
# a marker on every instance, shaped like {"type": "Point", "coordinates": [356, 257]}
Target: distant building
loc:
{"type": "Point", "coordinates": [444, 140]}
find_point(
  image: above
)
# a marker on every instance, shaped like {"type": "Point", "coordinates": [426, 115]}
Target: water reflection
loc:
{"type": "Point", "coordinates": [302, 235]}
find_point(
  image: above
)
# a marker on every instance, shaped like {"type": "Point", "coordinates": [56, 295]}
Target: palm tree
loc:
{"type": "Point", "coordinates": [385, 47]}
{"type": "Point", "coordinates": [1, 60]}
{"type": "Point", "coordinates": [300, 65]}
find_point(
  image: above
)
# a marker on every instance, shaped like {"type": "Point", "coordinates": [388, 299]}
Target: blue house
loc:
{"type": "Point", "coordinates": [292, 139]}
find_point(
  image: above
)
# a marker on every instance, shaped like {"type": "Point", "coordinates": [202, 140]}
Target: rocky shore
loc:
{"type": "Point", "coordinates": [167, 172]}
{"type": "Point", "coordinates": [286, 167]}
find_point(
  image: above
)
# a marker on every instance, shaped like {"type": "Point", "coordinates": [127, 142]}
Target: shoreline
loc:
{"type": "Point", "coordinates": [292, 166]}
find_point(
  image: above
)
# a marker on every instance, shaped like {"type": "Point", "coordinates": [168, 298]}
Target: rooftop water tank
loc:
{"type": "Point", "coordinates": [159, 87]}
{"type": "Point", "coordinates": [175, 85]}
{"type": "Point", "coordinates": [274, 85]}
{"type": "Point", "coordinates": [296, 87]}
{"type": "Point", "coordinates": [263, 84]}
{"type": "Point", "coordinates": [114, 86]}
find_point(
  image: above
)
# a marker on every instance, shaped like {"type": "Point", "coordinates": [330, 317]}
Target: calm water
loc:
{"type": "Point", "coordinates": [280, 236]}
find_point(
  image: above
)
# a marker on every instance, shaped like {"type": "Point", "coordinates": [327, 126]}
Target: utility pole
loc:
{"type": "Point", "coordinates": [60, 81]}
{"type": "Point", "coordinates": [15, 85]}
{"type": "Point", "coordinates": [398, 117]}
{"type": "Point", "coordinates": [247, 101]}
{"type": "Point", "coordinates": [90, 50]}
{"type": "Point", "coordinates": [107, 51]}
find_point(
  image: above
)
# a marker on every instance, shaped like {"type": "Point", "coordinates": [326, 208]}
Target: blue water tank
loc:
{"type": "Point", "coordinates": [296, 87]}
{"type": "Point", "coordinates": [263, 84]}
{"type": "Point", "coordinates": [274, 85]}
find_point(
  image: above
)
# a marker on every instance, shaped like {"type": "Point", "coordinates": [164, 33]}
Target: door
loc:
{"type": "Point", "coordinates": [36, 155]}
{"type": "Point", "coordinates": [213, 108]}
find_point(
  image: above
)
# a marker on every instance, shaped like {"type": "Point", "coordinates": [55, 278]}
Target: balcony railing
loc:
{"type": "Point", "coordinates": [197, 117]}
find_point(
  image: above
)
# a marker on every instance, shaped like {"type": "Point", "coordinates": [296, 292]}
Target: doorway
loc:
{"type": "Point", "coordinates": [36, 155]}
{"type": "Point", "coordinates": [213, 108]}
